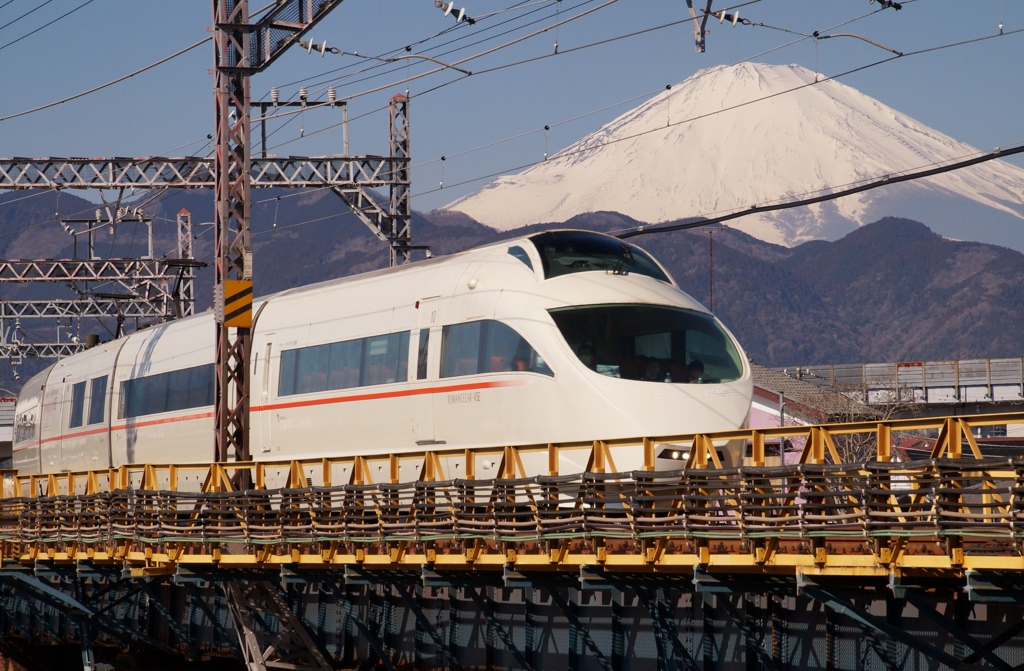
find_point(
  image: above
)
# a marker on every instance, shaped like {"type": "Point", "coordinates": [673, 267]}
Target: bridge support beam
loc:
{"type": "Point", "coordinates": [254, 605]}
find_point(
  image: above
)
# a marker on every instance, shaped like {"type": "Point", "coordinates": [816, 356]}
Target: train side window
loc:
{"type": "Point", "coordinates": [97, 399]}
{"type": "Point", "coordinates": [386, 359]}
{"type": "Point", "coordinates": [344, 365]}
{"type": "Point", "coordinates": [165, 392]}
{"type": "Point", "coordinates": [520, 253]}
{"type": "Point", "coordinates": [421, 360]}
{"type": "Point", "coordinates": [311, 369]}
{"type": "Point", "coordinates": [487, 346]}
{"type": "Point", "coordinates": [77, 404]}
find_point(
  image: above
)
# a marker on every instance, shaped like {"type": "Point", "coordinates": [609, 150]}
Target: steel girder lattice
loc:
{"type": "Point", "coordinates": [193, 172]}
{"type": "Point", "coordinates": [241, 49]}
{"type": "Point", "coordinates": [232, 244]}
{"type": "Point", "coordinates": [468, 620]}
{"type": "Point", "coordinates": [399, 236]}
{"type": "Point", "coordinates": [137, 288]}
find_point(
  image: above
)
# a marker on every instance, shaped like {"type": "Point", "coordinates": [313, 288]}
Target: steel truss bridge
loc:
{"type": "Point", "coordinates": [147, 281]}
{"type": "Point", "coordinates": [388, 561]}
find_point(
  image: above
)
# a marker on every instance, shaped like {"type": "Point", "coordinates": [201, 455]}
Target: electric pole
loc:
{"type": "Point", "coordinates": [241, 49]}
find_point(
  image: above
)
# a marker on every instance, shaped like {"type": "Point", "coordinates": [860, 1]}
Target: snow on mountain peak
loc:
{"type": "Point", "coordinates": [734, 136]}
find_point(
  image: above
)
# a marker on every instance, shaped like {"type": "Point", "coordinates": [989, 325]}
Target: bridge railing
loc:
{"type": "Point", "coordinates": [956, 510]}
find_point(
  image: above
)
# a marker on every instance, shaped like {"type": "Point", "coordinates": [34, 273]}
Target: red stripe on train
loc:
{"type": "Point", "coordinates": [301, 404]}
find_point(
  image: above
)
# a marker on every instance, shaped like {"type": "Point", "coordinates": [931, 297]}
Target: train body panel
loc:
{"type": "Point", "coordinates": [517, 343]}
{"type": "Point", "coordinates": [163, 394]}
{"type": "Point", "coordinates": [79, 437]}
{"type": "Point", "coordinates": [27, 422]}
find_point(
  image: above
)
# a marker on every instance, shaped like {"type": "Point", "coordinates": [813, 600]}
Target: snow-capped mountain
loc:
{"type": "Point", "coordinates": [735, 136]}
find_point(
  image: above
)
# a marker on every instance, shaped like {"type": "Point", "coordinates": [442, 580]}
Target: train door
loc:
{"type": "Point", "coordinates": [427, 347]}
{"type": "Point", "coordinates": [265, 414]}
{"type": "Point", "coordinates": [72, 423]}
{"type": "Point", "coordinates": [50, 430]}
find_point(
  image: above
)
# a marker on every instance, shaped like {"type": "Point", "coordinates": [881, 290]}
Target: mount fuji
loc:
{"type": "Point", "coordinates": [731, 137]}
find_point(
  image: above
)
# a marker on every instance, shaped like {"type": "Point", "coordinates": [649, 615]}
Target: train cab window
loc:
{"type": "Point", "coordinates": [520, 253]}
{"type": "Point", "coordinates": [650, 342]}
{"type": "Point", "coordinates": [487, 346]}
{"type": "Point", "coordinates": [567, 252]}
{"type": "Point", "coordinates": [166, 392]}
{"type": "Point", "coordinates": [421, 357]}
{"type": "Point", "coordinates": [97, 399]}
{"type": "Point", "coordinates": [344, 365]}
{"type": "Point", "coordinates": [77, 405]}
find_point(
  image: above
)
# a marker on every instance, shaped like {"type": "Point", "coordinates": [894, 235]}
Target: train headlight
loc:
{"type": "Point", "coordinates": [674, 454]}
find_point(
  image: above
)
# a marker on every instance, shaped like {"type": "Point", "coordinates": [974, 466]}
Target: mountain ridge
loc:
{"type": "Point", "coordinates": [731, 137]}
{"type": "Point", "coordinates": [891, 290]}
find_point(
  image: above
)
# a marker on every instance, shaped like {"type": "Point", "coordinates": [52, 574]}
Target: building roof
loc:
{"type": "Point", "coordinates": [829, 404]}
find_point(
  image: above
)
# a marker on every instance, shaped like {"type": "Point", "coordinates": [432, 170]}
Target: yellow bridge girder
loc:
{"type": "Point", "coordinates": [954, 512]}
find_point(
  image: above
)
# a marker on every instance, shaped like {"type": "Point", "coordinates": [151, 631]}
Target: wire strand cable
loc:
{"type": "Point", "coordinates": [883, 181]}
{"type": "Point", "coordinates": [572, 152]}
{"type": "Point", "coordinates": [48, 24]}
{"type": "Point", "coordinates": [31, 11]}
{"type": "Point", "coordinates": [108, 84]}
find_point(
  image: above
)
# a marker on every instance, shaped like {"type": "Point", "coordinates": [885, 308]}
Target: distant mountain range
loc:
{"type": "Point", "coordinates": [731, 137]}
{"type": "Point", "coordinates": [891, 290]}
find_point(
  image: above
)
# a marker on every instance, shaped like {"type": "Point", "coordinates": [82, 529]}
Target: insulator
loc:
{"type": "Point", "coordinates": [275, 96]}
{"type": "Point", "coordinates": [332, 94]}
{"type": "Point", "coordinates": [303, 94]}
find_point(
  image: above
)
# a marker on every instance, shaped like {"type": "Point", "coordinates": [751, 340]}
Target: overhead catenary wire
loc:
{"type": "Point", "coordinates": [108, 84]}
{"type": "Point", "coordinates": [658, 90]}
{"type": "Point", "coordinates": [529, 60]}
{"type": "Point", "coordinates": [883, 181]}
{"type": "Point", "coordinates": [477, 31]}
{"type": "Point", "coordinates": [550, 55]}
{"type": "Point", "coordinates": [572, 152]}
{"type": "Point", "coordinates": [47, 24]}
{"type": "Point", "coordinates": [380, 57]}
{"type": "Point", "coordinates": [31, 11]}
{"type": "Point", "coordinates": [442, 68]}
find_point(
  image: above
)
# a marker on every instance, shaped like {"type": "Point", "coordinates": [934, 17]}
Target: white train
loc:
{"type": "Point", "coordinates": [559, 336]}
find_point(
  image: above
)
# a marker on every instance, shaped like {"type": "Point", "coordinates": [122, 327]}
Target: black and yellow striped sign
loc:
{"type": "Point", "coordinates": [238, 303]}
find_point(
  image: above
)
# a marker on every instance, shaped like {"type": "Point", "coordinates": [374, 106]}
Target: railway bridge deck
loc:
{"type": "Point", "coordinates": [843, 559]}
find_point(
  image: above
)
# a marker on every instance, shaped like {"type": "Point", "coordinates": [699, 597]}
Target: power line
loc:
{"type": "Point", "coordinates": [537, 58]}
{"type": "Point", "coordinates": [108, 84]}
{"type": "Point", "coordinates": [884, 181]}
{"type": "Point", "coordinates": [31, 11]}
{"type": "Point", "coordinates": [573, 152]}
{"type": "Point", "coordinates": [448, 65]}
{"type": "Point", "coordinates": [339, 82]}
{"type": "Point", "coordinates": [530, 60]}
{"type": "Point", "coordinates": [47, 25]}
{"type": "Point", "coordinates": [295, 114]}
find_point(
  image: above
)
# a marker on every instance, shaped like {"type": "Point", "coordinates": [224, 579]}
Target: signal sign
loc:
{"type": "Point", "coordinates": [238, 303]}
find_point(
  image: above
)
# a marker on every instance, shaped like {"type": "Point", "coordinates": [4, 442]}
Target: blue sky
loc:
{"type": "Point", "coordinates": [974, 93]}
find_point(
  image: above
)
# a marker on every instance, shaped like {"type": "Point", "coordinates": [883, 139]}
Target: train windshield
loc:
{"type": "Point", "coordinates": [650, 342]}
{"type": "Point", "coordinates": [566, 252]}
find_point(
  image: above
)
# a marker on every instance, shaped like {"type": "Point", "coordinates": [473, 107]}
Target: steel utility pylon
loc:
{"type": "Point", "coordinates": [241, 49]}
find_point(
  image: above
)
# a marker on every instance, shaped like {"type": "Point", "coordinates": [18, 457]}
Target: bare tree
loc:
{"type": "Point", "coordinates": [842, 404]}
